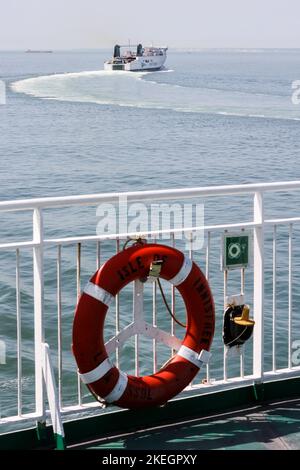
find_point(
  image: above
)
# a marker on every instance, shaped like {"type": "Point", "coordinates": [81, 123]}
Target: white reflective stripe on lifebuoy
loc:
{"type": "Point", "coordinates": [118, 389]}
{"type": "Point", "coordinates": [98, 293]}
{"type": "Point", "coordinates": [198, 359]}
{"type": "Point", "coordinates": [183, 272]}
{"type": "Point", "coordinates": [98, 373]}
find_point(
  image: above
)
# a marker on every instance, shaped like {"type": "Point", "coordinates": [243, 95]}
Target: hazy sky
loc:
{"type": "Point", "coordinates": [63, 24]}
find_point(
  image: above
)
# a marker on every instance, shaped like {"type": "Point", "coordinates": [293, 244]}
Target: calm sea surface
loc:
{"type": "Point", "coordinates": [209, 118]}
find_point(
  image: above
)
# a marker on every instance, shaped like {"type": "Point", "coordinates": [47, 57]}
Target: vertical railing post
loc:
{"type": "Point", "coordinates": [274, 299]}
{"type": "Point", "coordinates": [154, 323]}
{"type": "Point", "coordinates": [78, 289]}
{"type": "Point", "coordinates": [241, 349]}
{"type": "Point", "coordinates": [290, 294]}
{"type": "Point", "coordinates": [117, 319]}
{"type": "Point", "coordinates": [38, 289]}
{"type": "Point", "coordinates": [225, 350]}
{"type": "Point", "coordinates": [207, 275]}
{"type": "Point", "coordinates": [59, 326]}
{"type": "Point", "coordinates": [138, 318]}
{"type": "Point", "coordinates": [19, 332]}
{"type": "Point", "coordinates": [258, 303]}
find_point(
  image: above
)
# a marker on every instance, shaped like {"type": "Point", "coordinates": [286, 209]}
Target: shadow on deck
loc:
{"type": "Point", "coordinates": [271, 426]}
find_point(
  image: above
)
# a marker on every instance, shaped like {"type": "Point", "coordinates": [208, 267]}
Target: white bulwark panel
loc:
{"type": "Point", "coordinates": [236, 248]}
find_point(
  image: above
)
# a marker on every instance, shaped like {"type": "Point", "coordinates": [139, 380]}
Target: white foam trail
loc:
{"type": "Point", "coordinates": [128, 89]}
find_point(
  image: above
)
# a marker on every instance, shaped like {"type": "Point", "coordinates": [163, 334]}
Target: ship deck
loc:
{"type": "Point", "coordinates": [273, 426]}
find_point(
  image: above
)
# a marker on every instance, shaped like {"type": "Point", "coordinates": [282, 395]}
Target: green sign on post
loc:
{"type": "Point", "coordinates": [236, 250]}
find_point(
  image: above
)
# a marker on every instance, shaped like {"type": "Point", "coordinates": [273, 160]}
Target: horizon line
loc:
{"type": "Point", "coordinates": [170, 48]}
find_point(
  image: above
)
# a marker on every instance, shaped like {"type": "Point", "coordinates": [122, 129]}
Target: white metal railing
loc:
{"type": "Point", "coordinates": [262, 242]}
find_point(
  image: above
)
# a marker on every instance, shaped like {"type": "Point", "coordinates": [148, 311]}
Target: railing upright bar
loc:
{"type": "Point", "coordinates": [290, 296]}
{"type": "Point", "coordinates": [19, 332]}
{"type": "Point", "coordinates": [59, 325]}
{"type": "Point", "coordinates": [274, 295]}
{"type": "Point", "coordinates": [258, 255]}
{"type": "Point", "coordinates": [207, 256]}
{"type": "Point", "coordinates": [78, 287]}
{"type": "Point", "coordinates": [173, 331]}
{"type": "Point", "coordinates": [138, 318]}
{"type": "Point", "coordinates": [98, 254]}
{"type": "Point", "coordinates": [207, 274]}
{"type": "Point", "coordinates": [242, 351]}
{"type": "Point", "coordinates": [225, 286]}
{"type": "Point", "coordinates": [117, 321]}
{"type": "Point", "coordinates": [38, 290]}
{"type": "Point", "coordinates": [225, 350]}
{"type": "Point", "coordinates": [191, 252]}
{"type": "Point", "coordinates": [78, 271]}
{"type": "Point", "coordinates": [154, 320]}
{"type": "Point", "coordinates": [243, 281]}
{"type": "Point", "coordinates": [242, 363]}
{"type": "Point", "coordinates": [154, 323]}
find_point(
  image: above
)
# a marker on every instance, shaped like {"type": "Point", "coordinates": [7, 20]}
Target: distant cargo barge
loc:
{"type": "Point", "coordinates": [30, 51]}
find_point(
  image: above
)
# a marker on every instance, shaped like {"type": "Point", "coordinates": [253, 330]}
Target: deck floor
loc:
{"type": "Point", "coordinates": [269, 427]}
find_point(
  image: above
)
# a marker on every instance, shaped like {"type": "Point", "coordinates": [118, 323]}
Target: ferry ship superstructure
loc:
{"type": "Point", "coordinates": [141, 59]}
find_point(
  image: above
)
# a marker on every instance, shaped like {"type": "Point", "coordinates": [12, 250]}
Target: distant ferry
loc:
{"type": "Point", "coordinates": [143, 58]}
{"type": "Point", "coordinates": [38, 52]}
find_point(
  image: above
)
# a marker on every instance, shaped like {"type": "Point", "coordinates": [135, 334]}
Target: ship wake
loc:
{"type": "Point", "coordinates": [141, 90]}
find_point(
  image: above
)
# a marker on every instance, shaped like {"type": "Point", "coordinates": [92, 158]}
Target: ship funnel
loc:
{"type": "Point", "coordinates": [139, 51]}
{"type": "Point", "coordinates": [117, 52]}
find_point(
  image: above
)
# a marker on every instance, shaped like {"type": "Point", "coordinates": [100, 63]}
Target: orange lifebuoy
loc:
{"type": "Point", "coordinates": [104, 379]}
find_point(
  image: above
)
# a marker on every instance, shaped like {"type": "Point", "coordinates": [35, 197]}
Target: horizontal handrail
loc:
{"type": "Point", "coordinates": [120, 236]}
{"type": "Point", "coordinates": [125, 235]}
{"type": "Point", "coordinates": [165, 194]}
{"type": "Point", "coordinates": [15, 245]}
